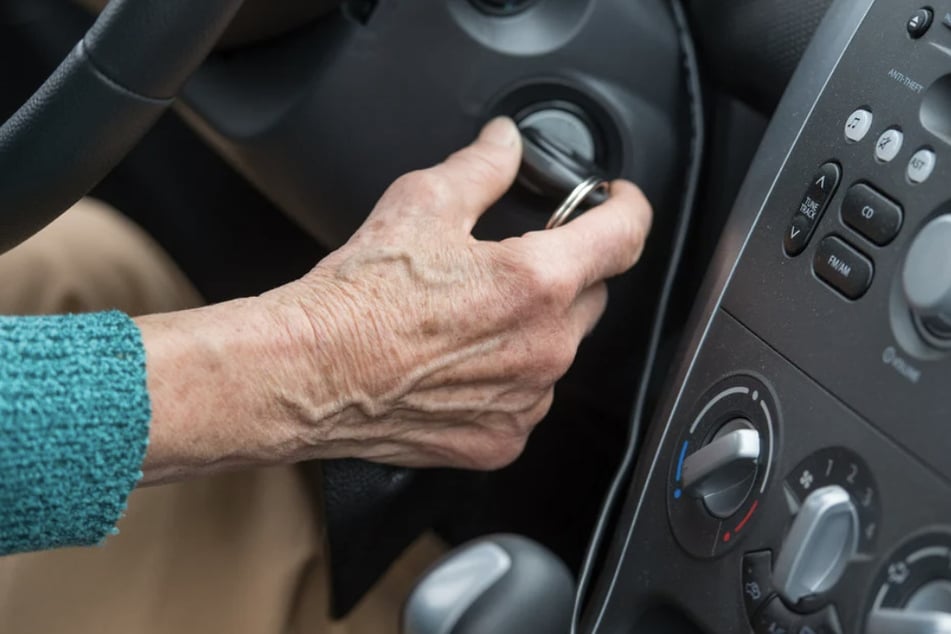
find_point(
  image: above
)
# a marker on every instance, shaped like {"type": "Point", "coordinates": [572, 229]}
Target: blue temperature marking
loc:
{"type": "Point", "coordinates": [680, 463]}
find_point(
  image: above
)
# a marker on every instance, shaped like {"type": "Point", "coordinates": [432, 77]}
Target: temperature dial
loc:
{"type": "Point", "coordinates": [720, 466]}
{"type": "Point", "coordinates": [722, 473]}
{"type": "Point", "coordinates": [914, 591]}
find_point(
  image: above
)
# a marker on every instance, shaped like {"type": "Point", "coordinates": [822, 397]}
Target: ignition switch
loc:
{"type": "Point", "coordinates": [559, 152]}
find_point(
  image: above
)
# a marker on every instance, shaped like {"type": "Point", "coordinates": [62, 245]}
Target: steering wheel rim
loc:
{"type": "Point", "coordinates": [105, 95]}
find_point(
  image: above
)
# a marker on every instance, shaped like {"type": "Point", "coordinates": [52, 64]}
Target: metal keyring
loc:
{"type": "Point", "coordinates": [574, 200]}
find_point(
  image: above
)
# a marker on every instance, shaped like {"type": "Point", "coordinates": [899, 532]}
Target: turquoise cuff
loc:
{"type": "Point", "coordinates": [74, 422]}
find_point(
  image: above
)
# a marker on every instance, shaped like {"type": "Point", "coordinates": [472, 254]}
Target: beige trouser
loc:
{"type": "Point", "coordinates": [237, 553]}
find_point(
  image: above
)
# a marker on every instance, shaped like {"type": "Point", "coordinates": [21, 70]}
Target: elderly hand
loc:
{"type": "Point", "coordinates": [413, 344]}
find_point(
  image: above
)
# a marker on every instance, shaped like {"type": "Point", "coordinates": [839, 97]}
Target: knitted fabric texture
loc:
{"type": "Point", "coordinates": [74, 418]}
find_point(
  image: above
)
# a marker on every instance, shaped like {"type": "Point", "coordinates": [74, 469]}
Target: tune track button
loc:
{"type": "Point", "coordinates": [813, 204]}
{"type": "Point", "coordinates": [857, 125]}
{"type": "Point", "coordinates": [842, 267]}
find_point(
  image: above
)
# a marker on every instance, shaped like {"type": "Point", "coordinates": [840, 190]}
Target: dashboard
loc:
{"type": "Point", "coordinates": [796, 479]}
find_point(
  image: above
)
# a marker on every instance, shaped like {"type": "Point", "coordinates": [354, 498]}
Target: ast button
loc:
{"type": "Point", "coordinates": [871, 214]}
{"type": "Point", "coordinates": [921, 166]}
{"type": "Point", "coordinates": [842, 267]}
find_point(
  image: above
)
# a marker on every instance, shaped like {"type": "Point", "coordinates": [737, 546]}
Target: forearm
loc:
{"type": "Point", "coordinates": [413, 344]}
{"type": "Point", "coordinates": [223, 382]}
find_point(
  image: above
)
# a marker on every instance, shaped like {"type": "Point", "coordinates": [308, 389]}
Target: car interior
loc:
{"type": "Point", "coordinates": [750, 441]}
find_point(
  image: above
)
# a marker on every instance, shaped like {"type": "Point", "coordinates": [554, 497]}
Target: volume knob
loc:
{"type": "Point", "coordinates": [926, 279]}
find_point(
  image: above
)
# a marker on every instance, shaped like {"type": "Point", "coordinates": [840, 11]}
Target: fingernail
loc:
{"type": "Point", "coordinates": [500, 131]}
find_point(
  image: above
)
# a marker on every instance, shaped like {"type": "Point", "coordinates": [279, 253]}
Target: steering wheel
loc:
{"type": "Point", "coordinates": [107, 93]}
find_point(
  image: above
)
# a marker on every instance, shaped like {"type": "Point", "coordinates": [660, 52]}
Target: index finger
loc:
{"type": "Point", "coordinates": [601, 243]}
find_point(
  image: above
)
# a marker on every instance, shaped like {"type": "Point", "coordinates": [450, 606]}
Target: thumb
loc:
{"type": "Point", "coordinates": [483, 171]}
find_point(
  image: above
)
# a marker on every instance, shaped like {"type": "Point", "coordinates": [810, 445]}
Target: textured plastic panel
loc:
{"type": "Point", "coordinates": [752, 47]}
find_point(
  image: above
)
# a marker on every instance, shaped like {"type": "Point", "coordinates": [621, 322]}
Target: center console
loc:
{"type": "Point", "coordinates": [797, 476]}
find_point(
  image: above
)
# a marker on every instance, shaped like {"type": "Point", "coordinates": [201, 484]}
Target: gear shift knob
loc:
{"type": "Point", "coordinates": [504, 584]}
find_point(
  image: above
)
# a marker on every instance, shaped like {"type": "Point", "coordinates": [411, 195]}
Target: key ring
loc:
{"type": "Point", "coordinates": [574, 200]}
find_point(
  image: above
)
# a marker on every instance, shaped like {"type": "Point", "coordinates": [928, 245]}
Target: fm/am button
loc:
{"type": "Point", "coordinates": [843, 268]}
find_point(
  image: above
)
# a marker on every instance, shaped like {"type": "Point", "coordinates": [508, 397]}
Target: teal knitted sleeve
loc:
{"type": "Point", "coordinates": [74, 417]}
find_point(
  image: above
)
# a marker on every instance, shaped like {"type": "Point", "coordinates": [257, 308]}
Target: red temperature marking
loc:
{"type": "Point", "coordinates": [746, 519]}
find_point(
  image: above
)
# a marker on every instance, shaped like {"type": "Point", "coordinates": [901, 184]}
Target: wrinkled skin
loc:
{"type": "Point", "coordinates": [414, 344]}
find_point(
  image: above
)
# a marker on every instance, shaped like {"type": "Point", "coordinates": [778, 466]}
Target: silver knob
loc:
{"type": "Point", "coordinates": [926, 279]}
{"type": "Point", "coordinates": [722, 472]}
{"type": "Point", "coordinates": [928, 611]}
{"type": "Point", "coordinates": [821, 541]}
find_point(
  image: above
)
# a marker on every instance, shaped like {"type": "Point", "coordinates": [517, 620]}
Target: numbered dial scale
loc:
{"type": "Point", "coordinates": [720, 466]}
{"type": "Point", "coordinates": [838, 466]}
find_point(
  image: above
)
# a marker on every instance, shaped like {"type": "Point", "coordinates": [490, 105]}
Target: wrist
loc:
{"type": "Point", "coordinates": [217, 378]}
{"type": "Point", "coordinates": [326, 381]}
